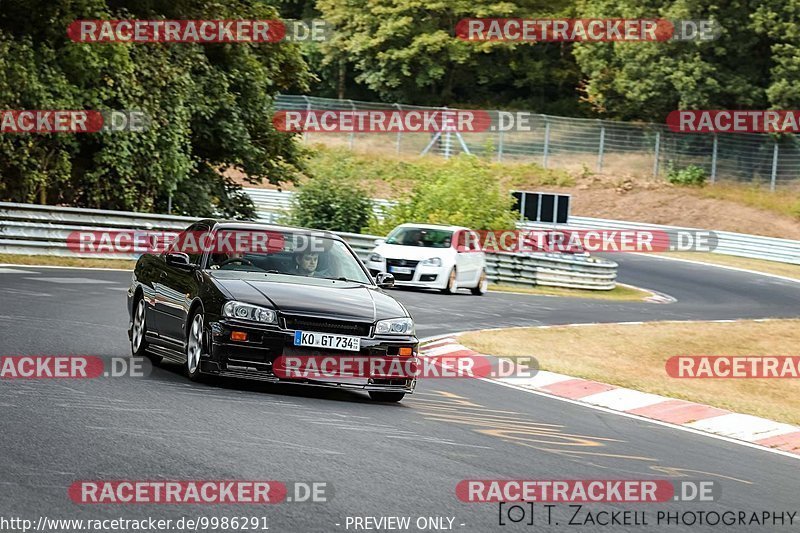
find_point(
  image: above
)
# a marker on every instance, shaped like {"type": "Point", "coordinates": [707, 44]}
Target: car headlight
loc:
{"type": "Point", "coordinates": [433, 261]}
{"type": "Point", "coordinates": [253, 313]}
{"type": "Point", "coordinates": [376, 258]}
{"type": "Point", "coordinates": [395, 326]}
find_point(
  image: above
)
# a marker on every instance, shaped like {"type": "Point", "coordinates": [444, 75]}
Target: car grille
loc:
{"type": "Point", "coordinates": [324, 325]}
{"type": "Point", "coordinates": [402, 263]}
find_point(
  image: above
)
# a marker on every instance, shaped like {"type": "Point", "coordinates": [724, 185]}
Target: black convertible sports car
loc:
{"type": "Point", "coordinates": [234, 299]}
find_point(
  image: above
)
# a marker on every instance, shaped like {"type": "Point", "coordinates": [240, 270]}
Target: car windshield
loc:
{"type": "Point", "coordinates": [290, 253]}
{"type": "Point", "coordinates": [429, 238]}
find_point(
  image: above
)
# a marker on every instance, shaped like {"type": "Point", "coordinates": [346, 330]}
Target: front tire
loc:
{"type": "Point", "coordinates": [483, 285]}
{"type": "Point", "coordinates": [194, 347]}
{"type": "Point", "coordinates": [387, 397]}
{"type": "Point", "coordinates": [452, 284]}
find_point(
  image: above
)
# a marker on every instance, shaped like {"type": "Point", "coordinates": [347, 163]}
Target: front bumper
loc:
{"type": "Point", "coordinates": [254, 358]}
{"type": "Point", "coordinates": [424, 276]}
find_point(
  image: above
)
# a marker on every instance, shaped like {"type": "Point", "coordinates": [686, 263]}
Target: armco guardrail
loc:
{"type": "Point", "coordinates": [553, 270]}
{"type": "Point", "coordinates": [729, 243]}
{"type": "Point", "coordinates": [738, 244]}
{"type": "Point", "coordinates": [43, 230]}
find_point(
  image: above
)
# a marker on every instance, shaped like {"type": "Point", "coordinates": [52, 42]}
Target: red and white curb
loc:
{"type": "Point", "coordinates": [694, 416]}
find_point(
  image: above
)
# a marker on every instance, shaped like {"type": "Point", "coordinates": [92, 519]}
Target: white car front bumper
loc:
{"type": "Point", "coordinates": [426, 276]}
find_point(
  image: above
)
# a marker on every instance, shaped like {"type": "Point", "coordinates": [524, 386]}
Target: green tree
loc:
{"type": "Point", "coordinates": [647, 80]}
{"type": "Point", "coordinates": [407, 52]}
{"type": "Point", "coordinates": [210, 109]}
{"type": "Point", "coordinates": [776, 22]}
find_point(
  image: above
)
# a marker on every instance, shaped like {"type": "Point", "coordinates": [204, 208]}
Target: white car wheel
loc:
{"type": "Point", "coordinates": [452, 283]}
{"type": "Point", "coordinates": [483, 285]}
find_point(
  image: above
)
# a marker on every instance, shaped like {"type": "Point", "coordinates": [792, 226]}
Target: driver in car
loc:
{"type": "Point", "coordinates": [308, 264]}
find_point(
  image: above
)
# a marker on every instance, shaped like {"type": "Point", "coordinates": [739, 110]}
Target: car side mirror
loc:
{"type": "Point", "coordinates": [384, 280]}
{"type": "Point", "coordinates": [378, 242]}
{"type": "Point", "coordinates": [179, 260]}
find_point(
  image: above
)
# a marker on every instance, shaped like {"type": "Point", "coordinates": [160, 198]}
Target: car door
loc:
{"type": "Point", "coordinates": [465, 263]}
{"type": "Point", "coordinates": [477, 256]}
{"type": "Point", "coordinates": [177, 286]}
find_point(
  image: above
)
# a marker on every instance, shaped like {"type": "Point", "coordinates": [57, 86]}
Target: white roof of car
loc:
{"type": "Point", "coordinates": [432, 226]}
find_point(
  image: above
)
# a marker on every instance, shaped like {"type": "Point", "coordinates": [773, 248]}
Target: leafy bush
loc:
{"type": "Point", "coordinates": [464, 192]}
{"type": "Point", "coordinates": [691, 175]}
{"type": "Point", "coordinates": [332, 202]}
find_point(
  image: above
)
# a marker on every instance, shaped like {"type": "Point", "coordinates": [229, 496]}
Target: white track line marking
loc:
{"type": "Point", "coordinates": [737, 269]}
{"type": "Point", "coordinates": [624, 399]}
{"type": "Point", "coordinates": [4, 270]}
{"type": "Point", "coordinates": [68, 267]}
{"type": "Point", "coordinates": [745, 427]}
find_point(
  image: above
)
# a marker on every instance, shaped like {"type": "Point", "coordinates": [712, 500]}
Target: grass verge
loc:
{"type": "Point", "coordinates": [783, 201]}
{"type": "Point", "coordinates": [759, 265]}
{"type": "Point", "coordinates": [620, 292]}
{"type": "Point", "coordinates": [49, 260]}
{"type": "Point", "coordinates": [633, 356]}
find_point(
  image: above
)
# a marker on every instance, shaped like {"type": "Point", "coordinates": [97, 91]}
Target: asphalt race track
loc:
{"type": "Point", "coordinates": [380, 459]}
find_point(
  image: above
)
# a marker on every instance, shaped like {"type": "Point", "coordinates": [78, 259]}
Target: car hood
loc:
{"type": "Point", "coordinates": [311, 296]}
{"type": "Point", "coordinates": [417, 253]}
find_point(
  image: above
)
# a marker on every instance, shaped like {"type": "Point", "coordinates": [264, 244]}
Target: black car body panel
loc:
{"type": "Point", "coordinates": [173, 293]}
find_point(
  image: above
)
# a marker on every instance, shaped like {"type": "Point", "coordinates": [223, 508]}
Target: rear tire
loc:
{"type": "Point", "coordinates": [452, 284]}
{"type": "Point", "coordinates": [483, 285]}
{"type": "Point", "coordinates": [139, 343]}
{"type": "Point", "coordinates": [387, 397]}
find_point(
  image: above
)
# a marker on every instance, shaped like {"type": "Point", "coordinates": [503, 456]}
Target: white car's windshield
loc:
{"type": "Point", "coordinates": [429, 238]}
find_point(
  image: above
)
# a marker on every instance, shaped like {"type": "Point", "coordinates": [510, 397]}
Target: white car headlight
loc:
{"type": "Point", "coordinates": [433, 261]}
{"type": "Point", "coordinates": [395, 326]}
{"type": "Point", "coordinates": [250, 312]}
{"type": "Point", "coordinates": [376, 258]}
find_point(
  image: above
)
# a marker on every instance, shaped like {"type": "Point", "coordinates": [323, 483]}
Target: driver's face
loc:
{"type": "Point", "coordinates": [308, 262]}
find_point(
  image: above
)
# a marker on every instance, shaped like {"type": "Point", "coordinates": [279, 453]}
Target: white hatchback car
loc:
{"type": "Point", "coordinates": [431, 256]}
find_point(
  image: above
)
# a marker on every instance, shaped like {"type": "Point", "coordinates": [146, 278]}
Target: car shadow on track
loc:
{"type": "Point", "coordinates": [173, 370]}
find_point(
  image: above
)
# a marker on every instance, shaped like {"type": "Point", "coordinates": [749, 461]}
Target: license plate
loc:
{"type": "Point", "coordinates": [400, 270]}
{"type": "Point", "coordinates": [327, 340]}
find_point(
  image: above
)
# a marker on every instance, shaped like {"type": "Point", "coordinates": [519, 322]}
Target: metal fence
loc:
{"type": "Point", "coordinates": [577, 144]}
{"type": "Point", "coordinates": [43, 230]}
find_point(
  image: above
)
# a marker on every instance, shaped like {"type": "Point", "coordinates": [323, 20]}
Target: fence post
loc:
{"type": "Point", "coordinates": [658, 154]}
{"type": "Point", "coordinates": [308, 111]}
{"type": "Point", "coordinates": [546, 141]}
{"type": "Point", "coordinates": [774, 167]}
{"type": "Point", "coordinates": [500, 144]}
{"type": "Point", "coordinates": [602, 147]}
{"type": "Point", "coordinates": [399, 131]}
{"type": "Point", "coordinates": [352, 133]}
{"type": "Point", "coordinates": [714, 161]}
